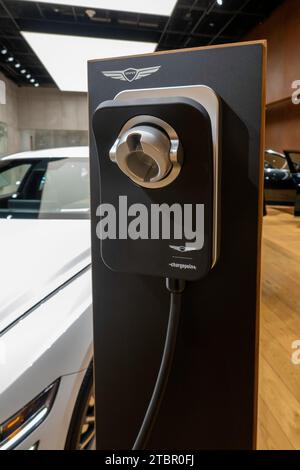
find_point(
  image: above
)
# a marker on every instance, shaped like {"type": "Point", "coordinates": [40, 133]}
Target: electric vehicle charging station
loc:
{"type": "Point", "coordinates": [149, 152]}
{"type": "Point", "coordinates": [177, 131]}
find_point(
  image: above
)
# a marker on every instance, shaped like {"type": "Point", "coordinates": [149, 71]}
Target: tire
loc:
{"type": "Point", "coordinates": [81, 434]}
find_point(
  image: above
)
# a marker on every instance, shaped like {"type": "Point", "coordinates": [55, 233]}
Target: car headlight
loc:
{"type": "Point", "coordinates": [16, 428]}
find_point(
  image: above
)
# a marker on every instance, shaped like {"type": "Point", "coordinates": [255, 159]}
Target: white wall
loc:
{"type": "Point", "coordinates": [9, 114]}
{"type": "Point", "coordinates": [49, 108]}
{"type": "Point", "coordinates": [29, 108]}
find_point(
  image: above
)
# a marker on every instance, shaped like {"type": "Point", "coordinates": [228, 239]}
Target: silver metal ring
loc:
{"type": "Point", "coordinates": [148, 151]}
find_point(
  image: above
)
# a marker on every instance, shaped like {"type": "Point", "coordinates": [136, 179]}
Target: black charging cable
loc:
{"type": "Point", "coordinates": [175, 287]}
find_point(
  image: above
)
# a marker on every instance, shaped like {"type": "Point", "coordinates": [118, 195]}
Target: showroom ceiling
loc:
{"type": "Point", "coordinates": [192, 23]}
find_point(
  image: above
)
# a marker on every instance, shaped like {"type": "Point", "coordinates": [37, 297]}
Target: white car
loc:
{"type": "Point", "coordinates": [46, 382]}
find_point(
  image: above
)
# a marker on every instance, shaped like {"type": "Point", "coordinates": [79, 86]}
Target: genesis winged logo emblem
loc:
{"type": "Point", "coordinates": [131, 74]}
{"type": "Point", "coordinates": [183, 249]}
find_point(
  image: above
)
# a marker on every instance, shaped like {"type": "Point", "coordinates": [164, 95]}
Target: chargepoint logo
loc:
{"type": "Point", "coordinates": [183, 266]}
{"type": "Point", "coordinates": [161, 222]}
{"type": "Point", "coordinates": [131, 74]}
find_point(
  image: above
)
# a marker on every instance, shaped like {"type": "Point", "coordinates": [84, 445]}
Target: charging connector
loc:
{"type": "Point", "coordinates": [175, 287]}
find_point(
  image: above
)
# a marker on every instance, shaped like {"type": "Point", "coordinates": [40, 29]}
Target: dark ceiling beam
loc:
{"type": "Point", "coordinates": [26, 54]}
{"type": "Point", "coordinates": [8, 69]}
{"type": "Point", "coordinates": [205, 13]}
{"type": "Point", "coordinates": [166, 27]}
{"type": "Point", "coordinates": [9, 14]}
{"type": "Point", "coordinates": [185, 24]}
{"type": "Point", "coordinates": [229, 22]}
{"type": "Point", "coordinates": [102, 30]}
{"type": "Point", "coordinates": [198, 35]}
{"type": "Point", "coordinates": [219, 11]}
{"type": "Point", "coordinates": [89, 30]}
{"type": "Point", "coordinates": [10, 36]}
{"type": "Point", "coordinates": [19, 79]}
{"type": "Point", "coordinates": [11, 72]}
{"type": "Point", "coordinates": [188, 16]}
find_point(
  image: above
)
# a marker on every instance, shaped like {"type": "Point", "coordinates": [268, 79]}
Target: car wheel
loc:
{"type": "Point", "coordinates": [81, 435]}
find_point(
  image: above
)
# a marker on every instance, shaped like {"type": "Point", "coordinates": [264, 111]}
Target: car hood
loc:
{"type": "Point", "coordinates": [37, 257]}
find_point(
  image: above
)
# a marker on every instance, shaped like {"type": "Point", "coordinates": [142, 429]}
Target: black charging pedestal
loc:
{"type": "Point", "coordinates": [211, 396]}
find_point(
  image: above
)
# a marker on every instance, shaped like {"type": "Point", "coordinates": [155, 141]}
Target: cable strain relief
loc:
{"type": "Point", "coordinates": [176, 286]}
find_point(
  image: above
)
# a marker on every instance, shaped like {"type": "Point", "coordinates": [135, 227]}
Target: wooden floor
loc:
{"type": "Point", "coordinates": [279, 378]}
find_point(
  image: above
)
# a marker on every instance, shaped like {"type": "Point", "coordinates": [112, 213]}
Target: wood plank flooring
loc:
{"type": "Point", "coordinates": [279, 378]}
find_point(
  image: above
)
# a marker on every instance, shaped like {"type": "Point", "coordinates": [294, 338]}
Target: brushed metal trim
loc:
{"type": "Point", "coordinates": [176, 154]}
{"type": "Point", "coordinates": [209, 99]}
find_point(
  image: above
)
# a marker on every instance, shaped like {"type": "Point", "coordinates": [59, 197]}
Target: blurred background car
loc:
{"type": "Point", "coordinates": [281, 177]}
{"type": "Point", "coordinates": [46, 381]}
{"type": "Point", "coordinates": [293, 160]}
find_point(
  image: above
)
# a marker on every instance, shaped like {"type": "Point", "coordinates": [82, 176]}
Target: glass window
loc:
{"type": "Point", "coordinates": [295, 156]}
{"type": "Point", "coordinates": [275, 161]}
{"type": "Point", "coordinates": [10, 179]}
{"type": "Point", "coordinates": [45, 188]}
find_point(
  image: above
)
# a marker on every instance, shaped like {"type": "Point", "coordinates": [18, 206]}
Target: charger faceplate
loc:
{"type": "Point", "coordinates": [191, 249]}
{"type": "Point", "coordinates": [209, 99]}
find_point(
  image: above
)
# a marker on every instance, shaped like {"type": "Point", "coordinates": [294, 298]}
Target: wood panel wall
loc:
{"type": "Point", "coordinates": [282, 31]}
{"type": "Point", "coordinates": [283, 127]}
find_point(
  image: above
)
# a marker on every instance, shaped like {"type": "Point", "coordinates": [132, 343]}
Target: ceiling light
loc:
{"type": "Point", "coordinates": [36, 84]}
{"type": "Point", "coordinates": [32, 80]}
{"type": "Point", "coordinates": [28, 75]}
{"type": "Point", "coordinates": [153, 7]}
{"type": "Point", "coordinates": [220, 2]}
{"type": "Point", "coordinates": [3, 51]}
{"type": "Point", "coordinates": [17, 65]}
{"type": "Point", "coordinates": [65, 57]}
{"type": "Point", "coordinates": [23, 71]}
{"type": "Point", "coordinates": [10, 59]}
